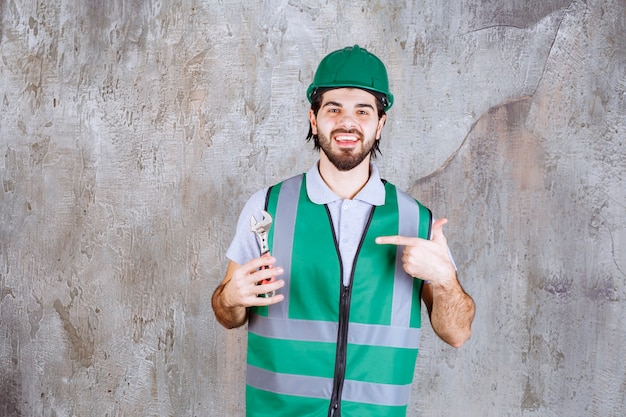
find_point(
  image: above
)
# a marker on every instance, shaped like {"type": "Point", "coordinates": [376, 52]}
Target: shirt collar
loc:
{"type": "Point", "coordinates": [372, 193]}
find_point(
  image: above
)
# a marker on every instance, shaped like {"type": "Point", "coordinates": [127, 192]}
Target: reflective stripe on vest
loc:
{"type": "Point", "coordinates": [270, 325]}
{"type": "Point", "coordinates": [323, 331]}
{"type": "Point", "coordinates": [316, 387]}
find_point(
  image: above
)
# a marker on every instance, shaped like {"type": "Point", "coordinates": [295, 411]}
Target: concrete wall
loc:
{"type": "Point", "coordinates": [131, 133]}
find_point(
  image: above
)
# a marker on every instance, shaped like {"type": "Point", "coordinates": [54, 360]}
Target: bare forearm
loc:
{"type": "Point", "coordinates": [452, 313]}
{"type": "Point", "coordinates": [229, 317]}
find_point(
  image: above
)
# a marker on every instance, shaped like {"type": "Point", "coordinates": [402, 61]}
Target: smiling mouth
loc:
{"type": "Point", "coordinates": [346, 136]}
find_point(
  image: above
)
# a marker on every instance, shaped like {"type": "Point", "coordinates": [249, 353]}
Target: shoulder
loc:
{"type": "Point", "coordinates": [256, 201]}
{"type": "Point", "coordinates": [244, 247]}
{"type": "Point", "coordinates": [403, 195]}
{"type": "Point", "coordinates": [294, 179]}
{"type": "Point", "coordinates": [293, 184]}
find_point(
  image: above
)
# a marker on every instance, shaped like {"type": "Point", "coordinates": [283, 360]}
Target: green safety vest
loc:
{"type": "Point", "coordinates": [329, 349]}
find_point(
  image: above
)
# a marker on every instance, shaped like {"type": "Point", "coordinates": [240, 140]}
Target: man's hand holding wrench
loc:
{"type": "Point", "coordinates": [250, 284]}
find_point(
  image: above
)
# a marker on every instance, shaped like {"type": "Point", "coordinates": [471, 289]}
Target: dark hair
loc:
{"type": "Point", "coordinates": [316, 103]}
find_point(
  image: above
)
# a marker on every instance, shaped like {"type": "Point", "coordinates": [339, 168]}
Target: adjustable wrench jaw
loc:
{"type": "Point", "coordinates": [261, 230]}
{"type": "Point", "coordinates": [261, 237]}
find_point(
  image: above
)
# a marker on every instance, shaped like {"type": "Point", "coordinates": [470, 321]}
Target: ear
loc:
{"type": "Point", "coordinates": [313, 121]}
{"type": "Point", "coordinates": [381, 123]}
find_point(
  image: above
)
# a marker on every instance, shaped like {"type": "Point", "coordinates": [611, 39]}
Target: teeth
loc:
{"type": "Point", "coordinates": [346, 138]}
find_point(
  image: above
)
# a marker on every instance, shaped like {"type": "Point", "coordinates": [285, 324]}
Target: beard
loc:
{"type": "Point", "coordinates": [345, 159]}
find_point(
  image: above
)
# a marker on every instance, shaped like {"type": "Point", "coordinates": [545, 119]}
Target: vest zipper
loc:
{"type": "Point", "coordinates": [342, 347]}
{"type": "Point", "coordinates": [344, 319]}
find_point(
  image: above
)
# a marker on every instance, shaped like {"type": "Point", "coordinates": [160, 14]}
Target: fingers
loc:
{"type": "Point", "coordinates": [255, 278]}
{"type": "Point", "coordinates": [438, 235]}
{"type": "Point", "coordinates": [396, 240]}
{"type": "Point", "coordinates": [259, 263]}
{"type": "Point", "coordinates": [439, 223]}
{"type": "Point", "coordinates": [412, 241]}
{"type": "Point", "coordinates": [260, 297]}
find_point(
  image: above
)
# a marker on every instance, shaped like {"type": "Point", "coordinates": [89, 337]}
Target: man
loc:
{"type": "Point", "coordinates": [351, 258]}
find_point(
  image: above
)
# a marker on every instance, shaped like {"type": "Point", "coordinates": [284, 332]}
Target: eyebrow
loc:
{"type": "Point", "coordinates": [360, 105]}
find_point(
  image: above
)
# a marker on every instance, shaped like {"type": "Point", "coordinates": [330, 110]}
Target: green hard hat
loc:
{"type": "Point", "coordinates": [352, 67]}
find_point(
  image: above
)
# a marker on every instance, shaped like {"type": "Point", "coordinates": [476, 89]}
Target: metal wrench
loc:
{"type": "Point", "coordinates": [261, 230]}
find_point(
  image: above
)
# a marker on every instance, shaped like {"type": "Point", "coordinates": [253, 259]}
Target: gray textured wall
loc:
{"type": "Point", "coordinates": [131, 133]}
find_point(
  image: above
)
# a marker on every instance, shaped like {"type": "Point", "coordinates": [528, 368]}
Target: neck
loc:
{"type": "Point", "coordinates": [346, 184]}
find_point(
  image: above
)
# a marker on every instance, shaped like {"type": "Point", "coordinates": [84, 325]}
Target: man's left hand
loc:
{"type": "Point", "coordinates": [425, 259]}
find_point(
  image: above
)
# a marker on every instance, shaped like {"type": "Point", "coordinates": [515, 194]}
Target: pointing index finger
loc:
{"type": "Point", "coordinates": [395, 240]}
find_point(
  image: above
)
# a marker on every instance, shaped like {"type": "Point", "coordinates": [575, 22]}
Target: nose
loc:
{"type": "Point", "coordinates": [347, 121]}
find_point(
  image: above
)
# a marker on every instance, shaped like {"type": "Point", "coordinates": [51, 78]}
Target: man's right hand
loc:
{"type": "Point", "coordinates": [240, 289]}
